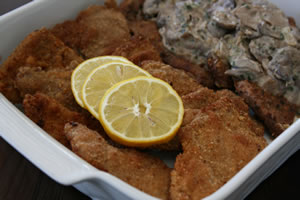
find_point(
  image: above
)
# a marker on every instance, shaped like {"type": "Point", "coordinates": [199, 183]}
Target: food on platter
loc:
{"type": "Point", "coordinates": [140, 170]}
{"type": "Point", "coordinates": [219, 61]}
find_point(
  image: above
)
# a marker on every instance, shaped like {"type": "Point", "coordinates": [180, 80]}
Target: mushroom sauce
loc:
{"type": "Point", "coordinates": [254, 36]}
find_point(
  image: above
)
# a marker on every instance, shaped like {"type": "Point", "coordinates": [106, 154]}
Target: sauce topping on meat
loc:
{"type": "Point", "coordinates": [254, 36]}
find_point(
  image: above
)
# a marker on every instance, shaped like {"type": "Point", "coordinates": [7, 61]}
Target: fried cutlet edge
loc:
{"type": "Point", "coordinates": [138, 169]}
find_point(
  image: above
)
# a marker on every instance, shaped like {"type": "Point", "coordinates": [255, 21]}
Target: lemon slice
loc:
{"type": "Point", "coordinates": [141, 111]}
{"type": "Point", "coordinates": [80, 74]}
{"type": "Point", "coordinates": [104, 77]}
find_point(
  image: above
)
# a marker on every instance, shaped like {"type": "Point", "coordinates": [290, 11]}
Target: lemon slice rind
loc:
{"type": "Point", "coordinates": [83, 70]}
{"type": "Point", "coordinates": [139, 142]}
{"type": "Point", "coordinates": [93, 109]}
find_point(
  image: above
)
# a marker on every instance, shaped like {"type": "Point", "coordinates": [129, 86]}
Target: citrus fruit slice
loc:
{"type": "Point", "coordinates": [103, 78]}
{"type": "Point", "coordinates": [80, 74]}
{"type": "Point", "coordinates": [141, 111]}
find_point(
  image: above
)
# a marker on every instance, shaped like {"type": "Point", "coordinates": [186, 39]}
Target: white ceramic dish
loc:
{"type": "Point", "coordinates": [65, 167]}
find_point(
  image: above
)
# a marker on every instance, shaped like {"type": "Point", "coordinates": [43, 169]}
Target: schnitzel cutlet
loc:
{"type": "Point", "coordinates": [217, 67]}
{"type": "Point", "coordinates": [147, 30]}
{"type": "Point", "coordinates": [97, 31]}
{"type": "Point", "coordinates": [219, 141]}
{"type": "Point", "coordinates": [202, 76]}
{"type": "Point", "coordinates": [132, 9]}
{"type": "Point", "coordinates": [50, 115]}
{"type": "Point", "coordinates": [75, 35]}
{"type": "Point", "coordinates": [55, 83]}
{"type": "Point", "coordinates": [137, 50]}
{"type": "Point", "coordinates": [181, 82]}
{"type": "Point", "coordinates": [138, 169]}
{"type": "Point", "coordinates": [276, 112]}
{"type": "Point", "coordinates": [39, 49]}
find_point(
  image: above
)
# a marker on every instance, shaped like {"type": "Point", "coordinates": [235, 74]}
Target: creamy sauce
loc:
{"type": "Point", "coordinates": [253, 35]}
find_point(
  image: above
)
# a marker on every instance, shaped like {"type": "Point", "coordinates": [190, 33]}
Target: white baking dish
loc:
{"type": "Point", "coordinates": [64, 166]}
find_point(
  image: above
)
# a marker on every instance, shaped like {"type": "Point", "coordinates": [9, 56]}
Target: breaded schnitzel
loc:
{"type": "Point", "coordinates": [137, 50]}
{"type": "Point", "coordinates": [97, 31]}
{"type": "Point", "coordinates": [204, 97]}
{"type": "Point", "coordinates": [276, 112]}
{"type": "Point", "coordinates": [198, 71]}
{"type": "Point", "coordinates": [111, 27]}
{"type": "Point", "coordinates": [217, 143]}
{"type": "Point", "coordinates": [199, 98]}
{"type": "Point", "coordinates": [75, 35]}
{"type": "Point", "coordinates": [185, 85]}
{"type": "Point", "coordinates": [180, 80]}
{"type": "Point", "coordinates": [147, 30]}
{"type": "Point", "coordinates": [55, 83]}
{"type": "Point", "coordinates": [50, 115]}
{"type": "Point", "coordinates": [217, 67]}
{"type": "Point", "coordinates": [39, 49]}
{"type": "Point", "coordinates": [140, 170]}
{"type": "Point", "coordinates": [132, 9]}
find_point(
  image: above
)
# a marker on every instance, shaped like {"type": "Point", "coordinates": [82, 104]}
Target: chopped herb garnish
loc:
{"type": "Point", "coordinates": [281, 36]}
{"type": "Point", "coordinates": [184, 25]}
{"type": "Point", "coordinates": [272, 48]}
{"type": "Point", "coordinates": [290, 88]}
{"type": "Point", "coordinates": [246, 5]}
{"type": "Point", "coordinates": [188, 7]}
{"type": "Point", "coordinates": [250, 77]}
{"type": "Point", "coordinates": [295, 77]}
{"type": "Point", "coordinates": [206, 16]}
{"type": "Point", "coordinates": [214, 23]}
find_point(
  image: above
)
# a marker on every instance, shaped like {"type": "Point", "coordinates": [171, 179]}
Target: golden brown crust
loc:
{"type": "Point", "coordinates": [50, 115]}
{"type": "Point", "coordinates": [147, 30]}
{"type": "Point", "coordinates": [140, 170]}
{"type": "Point", "coordinates": [276, 112]}
{"type": "Point", "coordinates": [55, 83]}
{"type": "Point", "coordinates": [39, 49]}
{"type": "Point", "coordinates": [292, 22]}
{"type": "Point", "coordinates": [199, 98]}
{"type": "Point", "coordinates": [217, 67]}
{"type": "Point", "coordinates": [132, 9]}
{"type": "Point", "coordinates": [75, 35]}
{"type": "Point", "coordinates": [111, 4]}
{"type": "Point", "coordinates": [204, 97]}
{"type": "Point", "coordinates": [199, 73]}
{"type": "Point", "coordinates": [217, 143]}
{"type": "Point", "coordinates": [137, 50]}
{"type": "Point", "coordinates": [181, 82]}
{"type": "Point", "coordinates": [111, 28]}
{"type": "Point", "coordinates": [145, 43]}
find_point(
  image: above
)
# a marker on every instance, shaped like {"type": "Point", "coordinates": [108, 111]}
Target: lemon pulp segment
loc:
{"type": "Point", "coordinates": [81, 72]}
{"type": "Point", "coordinates": [104, 77]}
{"type": "Point", "coordinates": [141, 111]}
